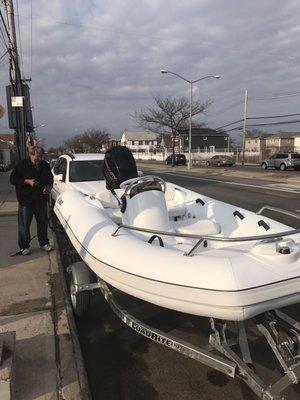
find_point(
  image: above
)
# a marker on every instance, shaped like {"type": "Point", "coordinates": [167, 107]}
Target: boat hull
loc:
{"type": "Point", "coordinates": [188, 296]}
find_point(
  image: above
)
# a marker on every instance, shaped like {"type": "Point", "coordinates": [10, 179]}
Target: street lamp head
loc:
{"type": "Point", "coordinates": [163, 71]}
{"type": "Point", "coordinates": [217, 76]}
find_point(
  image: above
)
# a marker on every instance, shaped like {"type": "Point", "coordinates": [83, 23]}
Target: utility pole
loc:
{"type": "Point", "coordinates": [244, 126]}
{"type": "Point", "coordinates": [16, 82]}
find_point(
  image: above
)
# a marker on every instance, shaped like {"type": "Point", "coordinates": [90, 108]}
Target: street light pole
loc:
{"type": "Point", "coordinates": [163, 71]}
{"type": "Point", "coordinates": [190, 127]}
{"type": "Point", "coordinates": [244, 126]}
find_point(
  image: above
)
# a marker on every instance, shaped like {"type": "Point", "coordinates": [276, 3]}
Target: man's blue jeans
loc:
{"type": "Point", "coordinates": [25, 214]}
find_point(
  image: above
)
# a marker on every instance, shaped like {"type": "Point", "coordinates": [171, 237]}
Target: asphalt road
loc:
{"type": "Point", "coordinates": [123, 365]}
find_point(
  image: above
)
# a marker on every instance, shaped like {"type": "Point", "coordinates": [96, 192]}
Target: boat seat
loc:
{"type": "Point", "coordinates": [175, 198]}
{"type": "Point", "coordinates": [110, 204]}
{"type": "Point", "coordinates": [108, 200]}
{"type": "Point", "coordinates": [200, 227]}
{"type": "Point", "coordinates": [175, 209]}
{"type": "Point", "coordinates": [114, 213]}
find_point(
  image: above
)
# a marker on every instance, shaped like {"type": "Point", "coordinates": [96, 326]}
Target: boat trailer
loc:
{"type": "Point", "coordinates": [280, 331]}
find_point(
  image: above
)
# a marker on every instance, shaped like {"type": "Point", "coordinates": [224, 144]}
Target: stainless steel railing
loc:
{"type": "Point", "coordinates": [279, 210]}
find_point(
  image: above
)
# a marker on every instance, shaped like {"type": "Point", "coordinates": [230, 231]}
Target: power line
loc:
{"type": "Point", "coordinates": [275, 116]}
{"type": "Point", "coordinates": [232, 123]}
{"type": "Point", "coordinates": [226, 108]}
{"type": "Point", "coordinates": [266, 124]}
{"type": "Point", "coordinates": [31, 30]}
{"type": "Point", "coordinates": [20, 42]}
{"type": "Point", "coordinates": [3, 55]}
{"type": "Point", "coordinates": [276, 123]}
{"type": "Point", "coordinates": [4, 42]}
{"type": "Point", "coordinates": [261, 117]}
{"type": "Point", "coordinates": [284, 96]}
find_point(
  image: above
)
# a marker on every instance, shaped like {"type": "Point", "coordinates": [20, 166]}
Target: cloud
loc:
{"type": "Point", "coordinates": [95, 62]}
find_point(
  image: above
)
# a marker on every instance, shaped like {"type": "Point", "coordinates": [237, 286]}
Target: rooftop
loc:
{"type": "Point", "coordinates": [204, 132]}
{"type": "Point", "coordinates": [142, 135]}
{"type": "Point", "coordinates": [7, 137]}
{"type": "Point", "coordinates": [87, 156]}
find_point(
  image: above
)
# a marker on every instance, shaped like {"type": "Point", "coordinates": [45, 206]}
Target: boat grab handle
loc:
{"type": "Point", "coordinates": [279, 210]}
{"type": "Point", "coordinates": [212, 238]}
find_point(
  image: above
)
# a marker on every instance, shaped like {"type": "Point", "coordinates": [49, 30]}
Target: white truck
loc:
{"type": "Point", "coordinates": [82, 172]}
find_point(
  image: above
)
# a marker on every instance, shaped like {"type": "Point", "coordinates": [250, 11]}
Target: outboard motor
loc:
{"type": "Point", "coordinates": [119, 166]}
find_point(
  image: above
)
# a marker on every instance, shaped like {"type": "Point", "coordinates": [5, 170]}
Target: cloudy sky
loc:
{"type": "Point", "coordinates": [93, 62]}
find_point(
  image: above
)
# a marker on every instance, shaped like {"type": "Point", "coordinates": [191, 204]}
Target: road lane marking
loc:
{"type": "Point", "coordinates": [278, 189]}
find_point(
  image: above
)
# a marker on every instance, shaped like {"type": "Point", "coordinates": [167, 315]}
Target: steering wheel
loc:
{"type": "Point", "coordinates": [130, 183]}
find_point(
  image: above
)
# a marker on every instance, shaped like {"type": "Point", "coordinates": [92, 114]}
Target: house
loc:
{"type": "Point", "coordinates": [255, 144]}
{"type": "Point", "coordinates": [205, 139]}
{"type": "Point", "coordinates": [167, 143]}
{"type": "Point", "coordinates": [7, 137]}
{"type": "Point", "coordinates": [110, 143]}
{"type": "Point", "coordinates": [297, 142]}
{"type": "Point", "coordinates": [7, 150]}
{"type": "Point", "coordinates": [143, 141]}
{"type": "Point", "coordinates": [283, 141]}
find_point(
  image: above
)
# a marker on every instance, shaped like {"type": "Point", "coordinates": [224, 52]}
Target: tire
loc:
{"type": "Point", "coordinates": [264, 166]}
{"type": "Point", "coordinates": [207, 163]}
{"type": "Point", "coordinates": [282, 167]}
{"type": "Point", "coordinates": [219, 164]}
{"type": "Point", "coordinates": [80, 301]}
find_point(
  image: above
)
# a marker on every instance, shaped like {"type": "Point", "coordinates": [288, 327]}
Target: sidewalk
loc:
{"type": "Point", "coordinates": [47, 358]}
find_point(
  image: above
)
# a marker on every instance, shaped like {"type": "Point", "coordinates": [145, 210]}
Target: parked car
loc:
{"type": "Point", "coordinates": [80, 171]}
{"type": "Point", "coordinates": [282, 161]}
{"type": "Point", "coordinates": [220, 161]}
{"type": "Point", "coordinates": [179, 159]}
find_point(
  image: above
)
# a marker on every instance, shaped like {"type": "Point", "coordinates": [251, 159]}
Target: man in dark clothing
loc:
{"type": "Point", "coordinates": [33, 180]}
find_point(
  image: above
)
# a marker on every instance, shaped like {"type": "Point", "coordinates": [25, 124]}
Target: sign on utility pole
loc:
{"type": "Point", "coordinates": [15, 101]}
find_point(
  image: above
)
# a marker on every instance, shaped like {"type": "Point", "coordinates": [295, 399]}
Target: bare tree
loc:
{"type": "Point", "coordinates": [57, 150]}
{"type": "Point", "coordinates": [255, 133]}
{"type": "Point", "coordinates": [88, 141]}
{"type": "Point", "coordinates": [169, 115]}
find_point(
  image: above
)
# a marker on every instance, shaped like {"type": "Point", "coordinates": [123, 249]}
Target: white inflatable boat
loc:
{"type": "Point", "coordinates": [181, 250]}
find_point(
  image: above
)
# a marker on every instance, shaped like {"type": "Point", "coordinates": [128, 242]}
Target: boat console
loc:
{"type": "Point", "coordinates": [143, 203]}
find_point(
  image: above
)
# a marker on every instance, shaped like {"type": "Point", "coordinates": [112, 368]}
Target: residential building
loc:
{"type": "Point", "coordinates": [255, 144]}
{"type": "Point", "coordinates": [205, 139]}
{"type": "Point", "coordinates": [283, 141]}
{"type": "Point", "coordinates": [167, 143]}
{"type": "Point", "coordinates": [297, 143]}
{"type": "Point", "coordinates": [7, 150]}
{"type": "Point", "coordinates": [110, 143]}
{"type": "Point", "coordinates": [142, 141]}
{"type": "Point", "coordinates": [7, 137]}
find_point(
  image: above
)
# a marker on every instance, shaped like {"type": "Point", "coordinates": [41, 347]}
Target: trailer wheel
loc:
{"type": "Point", "coordinates": [80, 300]}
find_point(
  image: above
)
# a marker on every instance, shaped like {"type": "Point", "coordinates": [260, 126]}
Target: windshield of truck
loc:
{"type": "Point", "coordinates": [88, 170]}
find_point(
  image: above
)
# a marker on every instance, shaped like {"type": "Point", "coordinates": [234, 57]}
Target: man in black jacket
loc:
{"type": "Point", "coordinates": [33, 180]}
